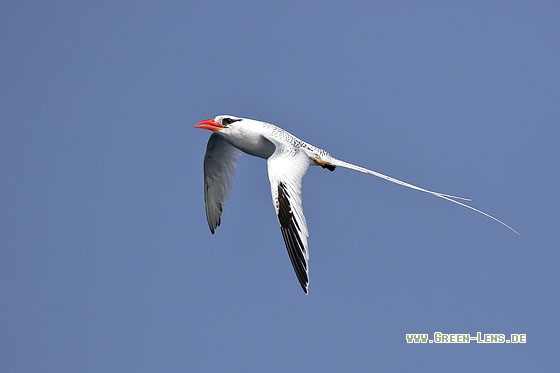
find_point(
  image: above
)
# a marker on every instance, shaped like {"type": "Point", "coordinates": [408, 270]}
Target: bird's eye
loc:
{"type": "Point", "coordinates": [228, 121]}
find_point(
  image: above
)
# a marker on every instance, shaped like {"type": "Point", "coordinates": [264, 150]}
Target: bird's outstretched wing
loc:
{"type": "Point", "coordinates": [220, 162]}
{"type": "Point", "coordinates": [286, 168]}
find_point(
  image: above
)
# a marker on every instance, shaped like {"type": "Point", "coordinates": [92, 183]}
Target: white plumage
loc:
{"type": "Point", "coordinates": [288, 160]}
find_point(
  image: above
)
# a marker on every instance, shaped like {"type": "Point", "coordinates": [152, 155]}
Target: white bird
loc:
{"type": "Point", "coordinates": [288, 159]}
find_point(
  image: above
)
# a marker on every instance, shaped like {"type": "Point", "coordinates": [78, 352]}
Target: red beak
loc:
{"type": "Point", "coordinates": [209, 124]}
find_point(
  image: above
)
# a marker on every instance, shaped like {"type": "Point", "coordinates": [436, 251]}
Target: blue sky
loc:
{"type": "Point", "coordinates": [106, 260]}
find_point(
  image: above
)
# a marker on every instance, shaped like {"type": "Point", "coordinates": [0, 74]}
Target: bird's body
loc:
{"type": "Point", "coordinates": [261, 139]}
{"type": "Point", "coordinates": [288, 160]}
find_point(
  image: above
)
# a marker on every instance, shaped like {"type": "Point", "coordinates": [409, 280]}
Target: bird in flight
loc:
{"type": "Point", "coordinates": [288, 159]}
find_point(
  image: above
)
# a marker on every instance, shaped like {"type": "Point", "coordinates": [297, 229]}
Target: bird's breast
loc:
{"type": "Point", "coordinates": [258, 146]}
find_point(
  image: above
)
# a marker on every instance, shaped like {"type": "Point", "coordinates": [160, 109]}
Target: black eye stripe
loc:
{"type": "Point", "coordinates": [227, 121]}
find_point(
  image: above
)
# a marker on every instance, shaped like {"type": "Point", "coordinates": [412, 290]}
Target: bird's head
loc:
{"type": "Point", "coordinates": [219, 123]}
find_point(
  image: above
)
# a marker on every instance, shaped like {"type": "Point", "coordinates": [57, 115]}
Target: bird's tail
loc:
{"type": "Point", "coordinates": [446, 197]}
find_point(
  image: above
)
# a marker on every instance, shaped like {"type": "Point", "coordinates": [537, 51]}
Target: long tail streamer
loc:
{"type": "Point", "coordinates": [446, 197]}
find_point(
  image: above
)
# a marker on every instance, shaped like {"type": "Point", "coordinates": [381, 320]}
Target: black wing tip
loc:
{"type": "Point", "coordinates": [213, 223]}
{"type": "Point", "coordinates": [303, 282]}
{"type": "Point", "coordinates": [213, 226]}
{"type": "Point", "coordinates": [302, 277]}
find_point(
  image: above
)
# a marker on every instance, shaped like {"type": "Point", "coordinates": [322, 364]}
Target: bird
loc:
{"type": "Point", "coordinates": [288, 159]}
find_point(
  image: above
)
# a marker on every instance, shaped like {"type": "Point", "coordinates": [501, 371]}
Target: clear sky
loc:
{"type": "Point", "coordinates": [106, 260]}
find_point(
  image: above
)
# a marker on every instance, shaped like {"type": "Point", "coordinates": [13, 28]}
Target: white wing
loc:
{"type": "Point", "coordinates": [220, 162]}
{"type": "Point", "coordinates": [286, 168]}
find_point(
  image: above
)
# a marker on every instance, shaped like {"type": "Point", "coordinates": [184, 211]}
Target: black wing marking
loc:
{"type": "Point", "coordinates": [291, 233]}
